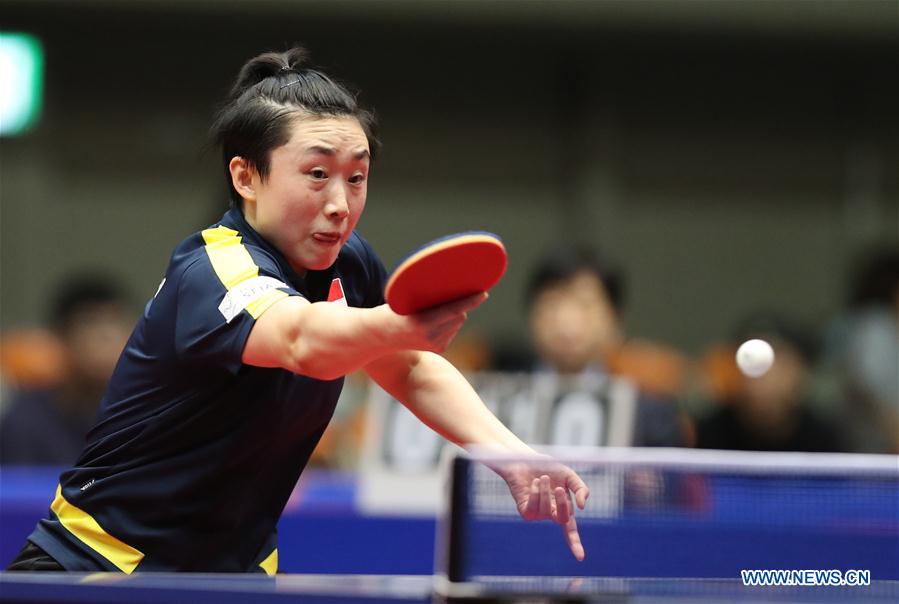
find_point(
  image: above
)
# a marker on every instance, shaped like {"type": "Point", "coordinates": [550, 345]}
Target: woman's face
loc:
{"type": "Point", "coordinates": [315, 190]}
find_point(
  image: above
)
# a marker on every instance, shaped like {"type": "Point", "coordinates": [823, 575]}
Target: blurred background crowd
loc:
{"type": "Point", "coordinates": [670, 178]}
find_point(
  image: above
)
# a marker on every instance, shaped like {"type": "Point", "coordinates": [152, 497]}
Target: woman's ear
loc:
{"type": "Point", "coordinates": [242, 178]}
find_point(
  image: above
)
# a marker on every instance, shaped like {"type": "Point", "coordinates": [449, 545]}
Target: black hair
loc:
{"type": "Point", "coordinates": [270, 90]}
{"type": "Point", "coordinates": [768, 325]}
{"type": "Point", "coordinates": [81, 292]}
{"type": "Point", "coordinates": [564, 263]}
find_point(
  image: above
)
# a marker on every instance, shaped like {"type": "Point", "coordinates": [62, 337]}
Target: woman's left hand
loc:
{"type": "Point", "coordinates": [542, 491]}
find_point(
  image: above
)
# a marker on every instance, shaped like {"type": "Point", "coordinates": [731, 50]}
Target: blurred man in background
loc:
{"type": "Point", "coordinates": [575, 304]}
{"type": "Point", "coordinates": [773, 412]}
{"type": "Point", "coordinates": [47, 426]}
{"type": "Point", "coordinates": [863, 353]}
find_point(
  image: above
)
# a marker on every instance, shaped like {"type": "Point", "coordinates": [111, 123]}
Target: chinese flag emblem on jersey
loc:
{"type": "Point", "coordinates": [335, 294]}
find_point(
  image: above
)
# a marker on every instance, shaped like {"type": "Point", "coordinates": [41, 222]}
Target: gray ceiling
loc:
{"type": "Point", "coordinates": [832, 18]}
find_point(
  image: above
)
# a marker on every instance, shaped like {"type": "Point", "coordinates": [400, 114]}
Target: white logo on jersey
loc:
{"type": "Point", "coordinates": [242, 294]}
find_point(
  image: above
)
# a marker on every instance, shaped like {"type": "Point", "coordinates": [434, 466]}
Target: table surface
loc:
{"type": "Point", "coordinates": [368, 589]}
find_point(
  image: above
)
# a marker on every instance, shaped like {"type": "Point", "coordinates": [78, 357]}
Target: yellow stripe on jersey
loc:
{"type": "Point", "coordinates": [88, 531]}
{"type": "Point", "coordinates": [270, 564]}
{"type": "Point", "coordinates": [263, 302]}
{"type": "Point", "coordinates": [230, 259]}
{"type": "Point", "coordinates": [233, 265]}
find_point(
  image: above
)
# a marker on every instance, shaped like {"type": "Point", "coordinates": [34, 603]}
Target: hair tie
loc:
{"type": "Point", "coordinates": [288, 69]}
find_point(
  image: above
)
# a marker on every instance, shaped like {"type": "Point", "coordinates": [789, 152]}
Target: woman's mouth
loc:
{"type": "Point", "coordinates": [326, 238]}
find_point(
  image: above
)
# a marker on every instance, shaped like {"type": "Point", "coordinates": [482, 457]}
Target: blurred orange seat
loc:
{"type": "Point", "coordinates": [31, 358]}
{"type": "Point", "coordinates": [720, 378]}
{"type": "Point", "coordinates": [653, 367]}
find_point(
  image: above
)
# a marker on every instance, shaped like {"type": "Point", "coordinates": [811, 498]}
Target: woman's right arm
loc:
{"type": "Point", "coordinates": [324, 340]}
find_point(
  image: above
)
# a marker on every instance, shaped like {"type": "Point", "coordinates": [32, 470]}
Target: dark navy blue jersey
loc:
{"type": "Point", "coordinates": [194, 454]}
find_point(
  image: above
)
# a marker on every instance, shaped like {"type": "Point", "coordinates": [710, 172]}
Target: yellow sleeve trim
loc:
{"type": "Point", "coordinates": [230, 259]}
{"type": "Point", "coordinates": [262, 303]}
{"type": "Point", "coordinates": [88, 531]}
{"type": "Point", "coordinates": [270, 564]}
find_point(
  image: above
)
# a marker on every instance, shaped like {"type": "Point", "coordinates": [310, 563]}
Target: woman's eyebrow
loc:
{"type": "Point", "coordinates": [321, 150]}
{"type": "Point", "coordinates": [330, 151]}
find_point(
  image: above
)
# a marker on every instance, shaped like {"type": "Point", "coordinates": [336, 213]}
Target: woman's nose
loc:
{"type": "Point", "coordinates": [337, 206]}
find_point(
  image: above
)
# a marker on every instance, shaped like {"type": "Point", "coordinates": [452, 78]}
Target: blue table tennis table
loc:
{"type": "Point", "coordinates": [662, 526]}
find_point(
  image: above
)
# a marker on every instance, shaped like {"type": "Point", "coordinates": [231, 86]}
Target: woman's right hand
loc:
{"type": "Point", "coordinates": [434, 329]}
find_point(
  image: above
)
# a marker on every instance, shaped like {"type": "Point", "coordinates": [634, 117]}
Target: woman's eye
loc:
{"type": "Point", "coordinates": [318, 174]}
{"type": "Point", "coordinates": [357, 179]}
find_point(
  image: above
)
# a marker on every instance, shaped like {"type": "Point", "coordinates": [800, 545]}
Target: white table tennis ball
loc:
{"type": "Point", "coordinates": [755, 357]}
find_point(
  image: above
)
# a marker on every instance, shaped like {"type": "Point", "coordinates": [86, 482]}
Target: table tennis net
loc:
{"type": "Point", "coordinates": [683, 513]}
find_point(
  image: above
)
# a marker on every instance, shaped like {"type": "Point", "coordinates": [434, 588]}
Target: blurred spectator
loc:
{"type": "Point", "coordinates": [772, 412]}
{"type": "Point", "coordinates": [863, 348]}
{"type": "Point", "coordinates": [575, 306]}
{"type": "Point", "coordinates": [47, 425]}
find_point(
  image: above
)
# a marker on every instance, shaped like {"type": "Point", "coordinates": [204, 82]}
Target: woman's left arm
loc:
{"type": "Point", "coordinates": [435, 391]}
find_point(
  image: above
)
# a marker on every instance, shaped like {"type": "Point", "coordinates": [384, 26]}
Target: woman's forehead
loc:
{"type": "Point", "coordinates": [343, 134]}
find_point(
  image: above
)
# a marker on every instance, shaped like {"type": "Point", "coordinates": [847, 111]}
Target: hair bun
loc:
{"type": "Point", "coordinates": [269, 64]}
{"type": "Point", "coordinates": [295, 58]}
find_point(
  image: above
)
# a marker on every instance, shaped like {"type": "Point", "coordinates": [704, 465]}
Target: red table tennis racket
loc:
{"type": "Point", "coordinates": [444, 270]}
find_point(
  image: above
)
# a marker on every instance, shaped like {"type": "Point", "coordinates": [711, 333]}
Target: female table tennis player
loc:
{"type": "Point", "coordinates": [233, 371]}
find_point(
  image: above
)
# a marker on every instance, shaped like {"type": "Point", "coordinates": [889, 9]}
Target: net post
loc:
{"type": "Point", "coordinates": [455, 534]}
